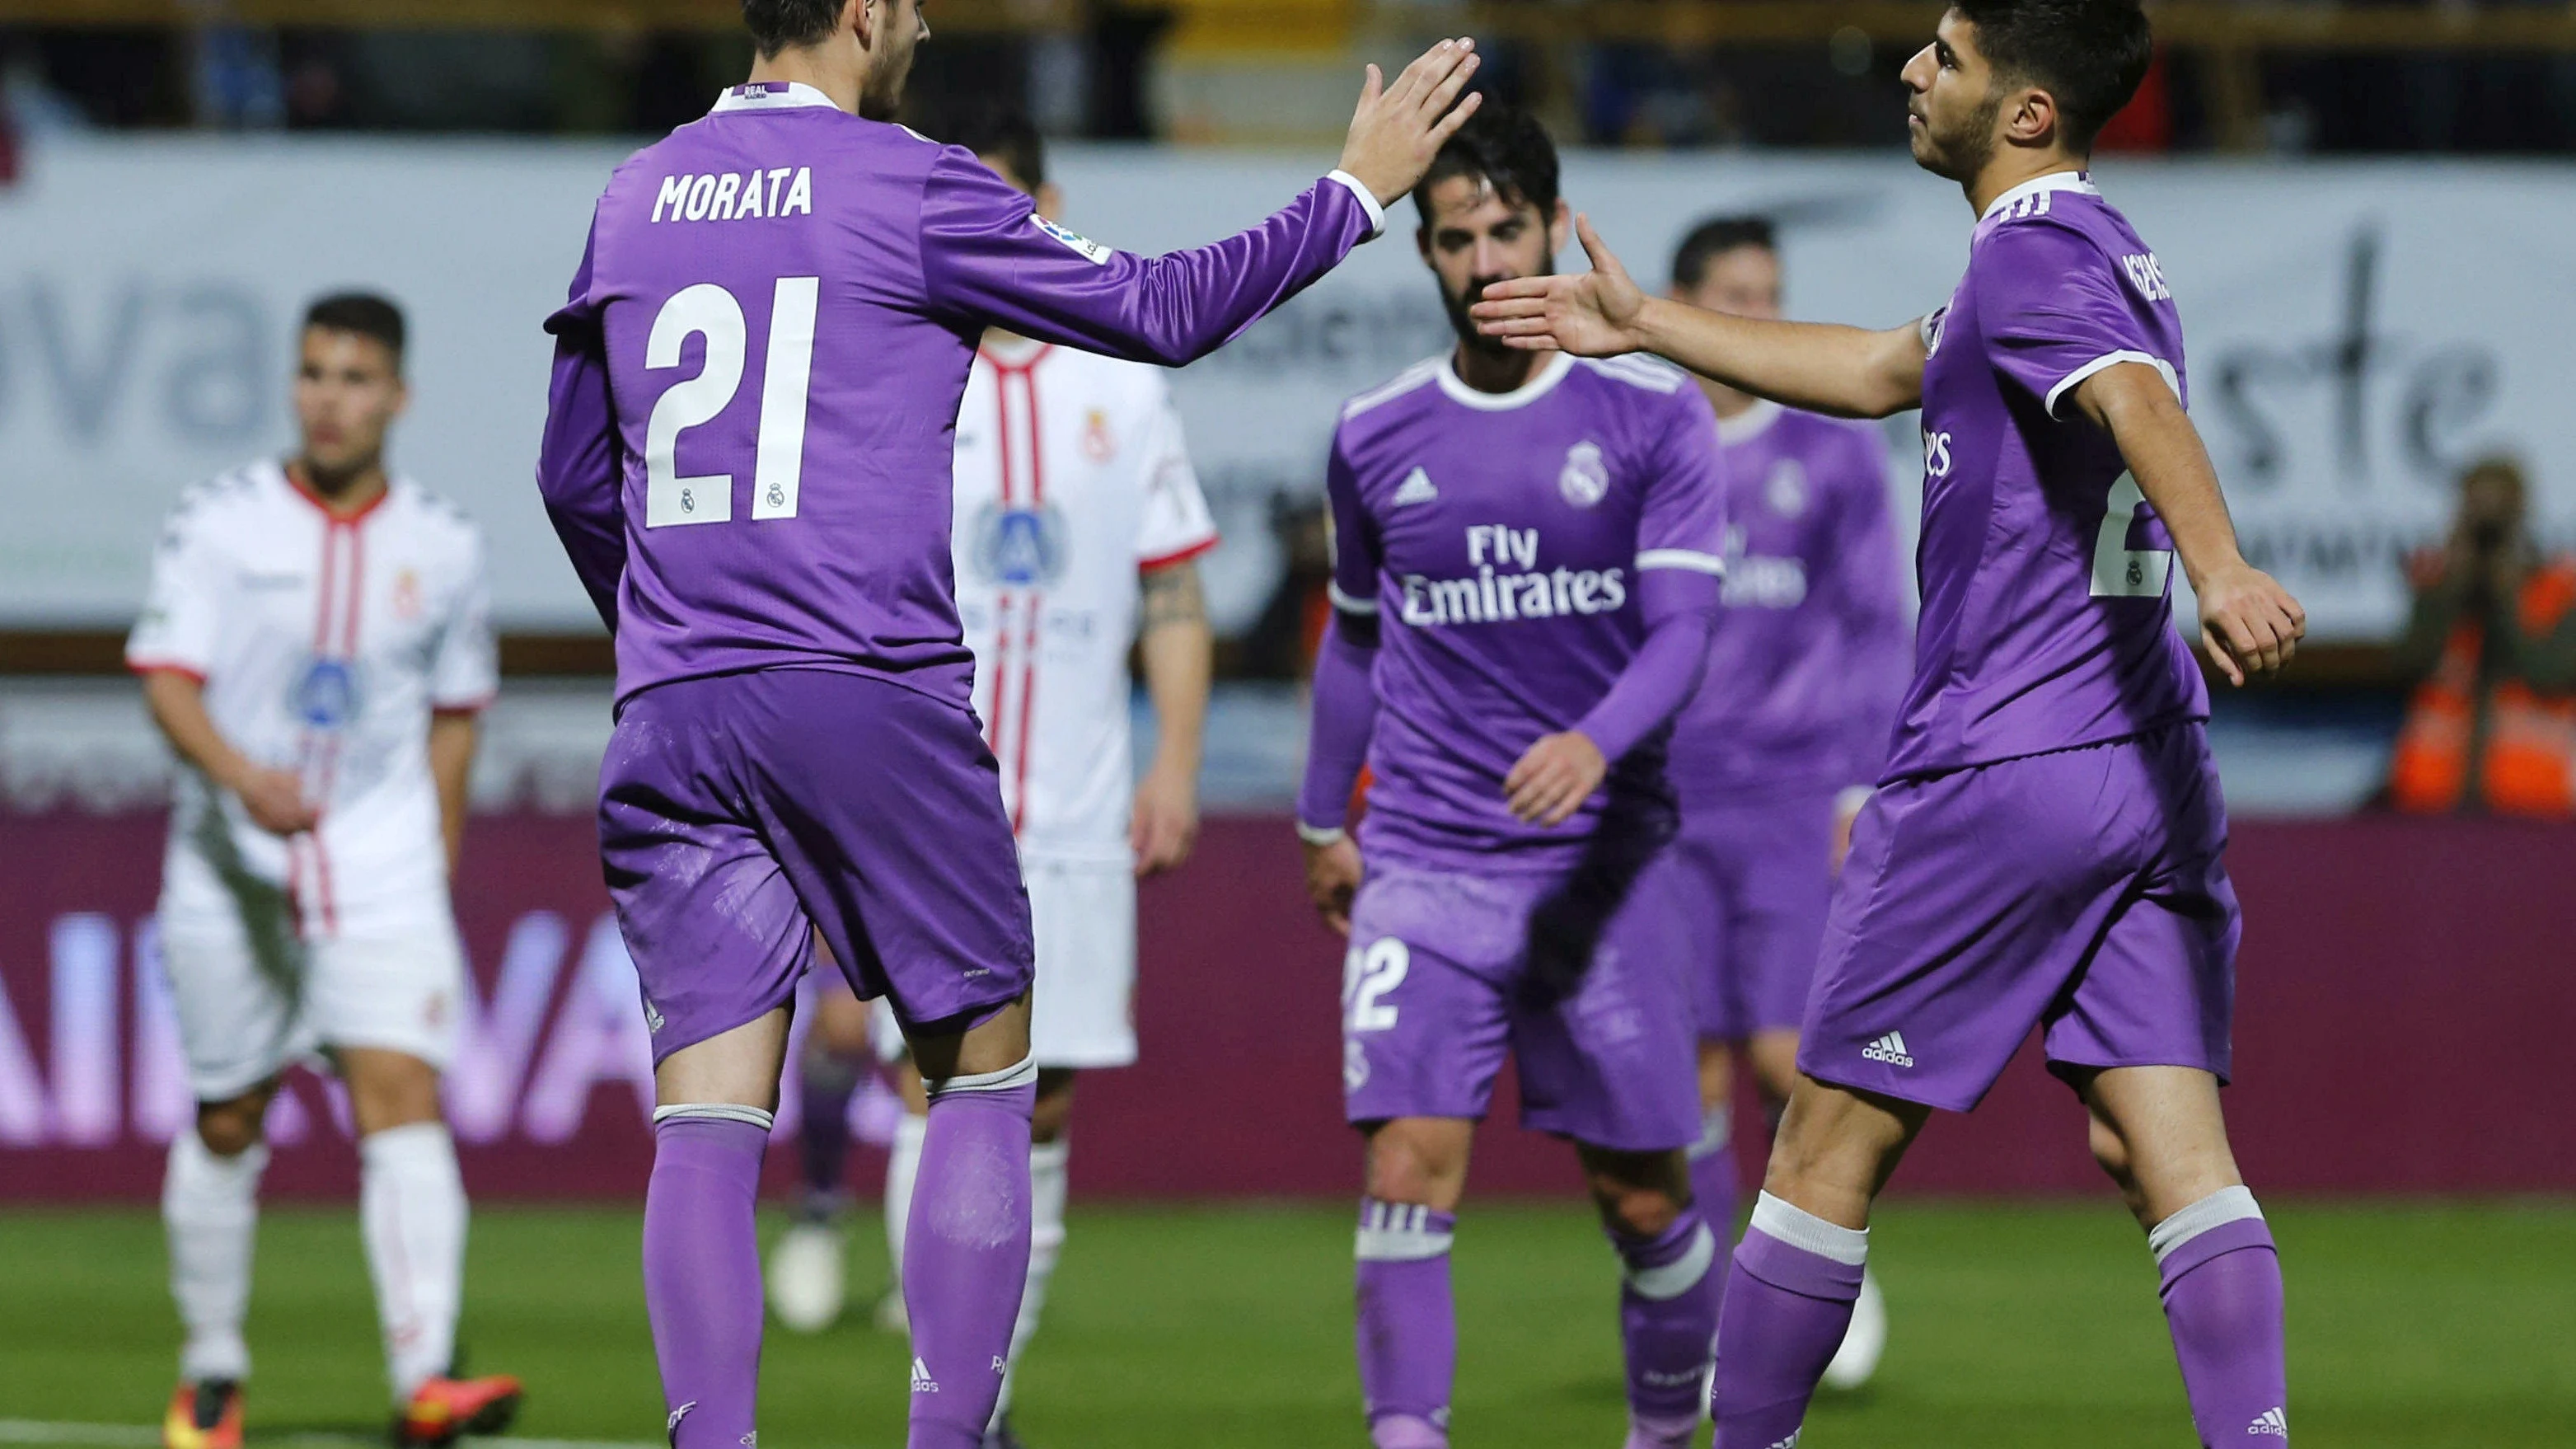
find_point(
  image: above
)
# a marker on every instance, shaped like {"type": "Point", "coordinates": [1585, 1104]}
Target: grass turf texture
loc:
{"type": "Point", "coordinates": [2413, 1326]}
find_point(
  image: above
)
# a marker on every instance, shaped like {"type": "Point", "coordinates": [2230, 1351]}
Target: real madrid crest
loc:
{"type": "Point", "coordinates": [1585, 479]}
{"type": "Point", "coordinates": [1786, 489]}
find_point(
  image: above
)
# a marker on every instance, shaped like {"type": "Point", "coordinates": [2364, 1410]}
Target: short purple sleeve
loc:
{"type": "Point", "coordinates": [2055, 312]}
{"type": "Point", "coordinates": [988, 258]}
{"type": "Point", "coordinates": [1683, 522]}
{"type": "Point", "coordinates": [581, 462]}
{"type": "Point", "coordinates": [1351, 538]}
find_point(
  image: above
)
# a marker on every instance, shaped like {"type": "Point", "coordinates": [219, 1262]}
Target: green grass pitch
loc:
{"type": "Point", "coordinates": [2412, 1327]}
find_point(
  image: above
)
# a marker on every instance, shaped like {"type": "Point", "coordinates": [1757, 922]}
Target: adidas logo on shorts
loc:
{"type": "Point", "coordinates": [1889, 1049]}
{"type": "Point", "coordinates": [2270, 1421]}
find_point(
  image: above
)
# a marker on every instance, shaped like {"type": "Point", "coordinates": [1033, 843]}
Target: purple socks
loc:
{"type": "Point", "coordinates": [1787, 1306]}
{"type": "Point", "coordinates": [2222, 1294]}
{"type": "Point", "coordinates": [702, 1270]}
{"type": "Point", "coordinates": [1712, 1170]}
{"type": "Point", "coordinates": [824, 1086]}
{"type": "Point", "coordinates": [1667, 1321]}
{"type": "Point", "coordinates": [1408, 1328]}
{"type": "Point", "coordinates": [966, 1252]}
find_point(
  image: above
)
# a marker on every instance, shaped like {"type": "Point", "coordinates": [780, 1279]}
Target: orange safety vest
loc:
{"type": "Point", "coordinates": [2530, 765]}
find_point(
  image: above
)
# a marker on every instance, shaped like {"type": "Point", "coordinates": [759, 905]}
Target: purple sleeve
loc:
{"type": "Point", "coordinates": [1680, 609]}
{"type": "Point", "coordinates": [2055, 312]}
{"type": "Point", "coordinates": [1868, 592]}
{"type": "Point", "coordinates": [1351, 538]}
{"type": "Point", "coordinates": [1683, 522]}
{"type": "Point", "coordinates": [1345, 715]}
{"type": "Point", "coordinates": [581, 463]}
{"type": "Point", "coordinates": [987, 258]}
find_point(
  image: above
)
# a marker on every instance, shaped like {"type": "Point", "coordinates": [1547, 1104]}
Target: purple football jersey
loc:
{"type": "Point", "coordinates": [2047, 580]}
{"type": "Point", "coordinates": [1809, 657]}
{"type": "Point", "coordinates": [1499, 538]}
{"type": "Point", "coordinates": [759, 367]}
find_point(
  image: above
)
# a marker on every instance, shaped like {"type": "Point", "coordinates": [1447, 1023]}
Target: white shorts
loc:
{"type": "Point", "coordinates": [1082, 1009]}
{"type": "Point", "coordinates": [252, 1002]}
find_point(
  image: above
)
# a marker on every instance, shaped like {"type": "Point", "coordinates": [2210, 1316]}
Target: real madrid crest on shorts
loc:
{"type": "Point", "coordinates": [326, 695]}
{"type": "Point", "coordinates": [1585, 480]}
{"type": "Point", "coordinates": [1018, 547]}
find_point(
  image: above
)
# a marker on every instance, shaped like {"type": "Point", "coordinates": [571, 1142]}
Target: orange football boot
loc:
{"type": "Point", "coordinates": [445, 1409]}
{"type": "Point", "coordinates": [204, 1416]}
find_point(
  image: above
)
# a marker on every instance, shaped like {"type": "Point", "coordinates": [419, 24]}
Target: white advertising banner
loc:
{"type": "Point", "coordinates": [2357, 331]}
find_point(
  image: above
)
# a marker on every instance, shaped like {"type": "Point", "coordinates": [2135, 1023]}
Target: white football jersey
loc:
{"type": "Point", "coordinates": [324, 645]}
{"type": "Point", "coordinates": [1072, 481]}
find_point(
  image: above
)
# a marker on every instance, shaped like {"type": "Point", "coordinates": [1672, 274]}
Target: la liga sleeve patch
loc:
{"type": "Point", "coordinates": [1090, 251]}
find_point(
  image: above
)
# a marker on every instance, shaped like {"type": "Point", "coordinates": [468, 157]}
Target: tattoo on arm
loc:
{"type": "Point", "coordinates": [1173, 596]}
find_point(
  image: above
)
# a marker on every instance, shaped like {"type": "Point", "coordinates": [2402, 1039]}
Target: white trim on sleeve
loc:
{"type": "Point", "coordinates": [1368, 199]}
{"type": "Point", "coordinates": [1681, 558]}
{"type": "Point", "coordinates": [2112, 359]}
{"type": "Point", "coordinates": [1349, 604]}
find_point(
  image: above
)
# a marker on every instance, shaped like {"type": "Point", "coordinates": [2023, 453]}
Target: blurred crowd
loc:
{"type": "Point", "coordinates": [1097, 79]}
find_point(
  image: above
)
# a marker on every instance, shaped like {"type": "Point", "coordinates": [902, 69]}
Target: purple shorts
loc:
{"type": "Point", "coordinates": [1582, 984]}
{"type": "Point", "coordinates": [2080, 890]}
{"type": "Point", "coordinates": [741, 812]}
{"type": "Point", "coordinates": [1757, 878]}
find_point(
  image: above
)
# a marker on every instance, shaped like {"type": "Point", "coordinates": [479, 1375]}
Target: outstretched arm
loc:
{"type": "Point", "coordinates": [988, 260]}
{"type": "Point", "coordinates": [1846, 371]}
{"type": "Point", "coordinates": [2249, 623]}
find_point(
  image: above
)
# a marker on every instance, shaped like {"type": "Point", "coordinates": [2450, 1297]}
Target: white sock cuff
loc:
{"type": "Point", "coordinates": [1022, 1073]}
{"type": "Point", "coordinates": [1050, 1156]}
{"type": "Point", "coordinates": [411, 1141]}
{"type": "Point", "coordinates": [2227, 1205]}
{"type": "Point", "coordinates": [1395, 1232]}
{"type": "Point", "coordinates": [1804, 1230]}
{"type": "Point", "coordinates": [909, 1130]}
{"type": "Point", "coordinates": [1679, 1276]}
{"type": "Point", "coordinates": [714, 1112]}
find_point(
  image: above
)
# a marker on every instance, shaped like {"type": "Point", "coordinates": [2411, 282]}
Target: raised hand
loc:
{"type": "Point", "coordinates": [1399, 128]}
{"type": "Point", "coordinates": [1594, 314]}
{"type": "Point", "coordinates": [2249, 623]}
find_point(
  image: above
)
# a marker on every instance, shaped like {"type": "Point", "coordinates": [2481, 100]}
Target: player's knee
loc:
{"type": "Point", "coordinates": [1054, 1106]}
{"type": "Point", "coordinates": [231, 1128]}
{"type": "Point", "coordinates": [1638, 1212]}
{"type": "Point", "coordinates": [1414, 1167]}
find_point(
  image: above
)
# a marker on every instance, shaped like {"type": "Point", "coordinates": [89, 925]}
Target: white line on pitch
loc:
{"type": "Point", "coordinates": [138, 1436]}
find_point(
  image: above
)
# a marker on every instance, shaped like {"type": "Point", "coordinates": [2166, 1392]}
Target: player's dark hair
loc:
{"type": "Point", "coordinates": [2089, 55]}
{"type": "Point", "coordinates": [1716, 237]}
{"type": "Point", "coordinates": [778, 25]}
{"type": "Point", "coordinates": [364, 314]}
{"type": "Point", "coordinates": [1004, 133]}
{"type": "Point", "coordinates": [1507, 149]}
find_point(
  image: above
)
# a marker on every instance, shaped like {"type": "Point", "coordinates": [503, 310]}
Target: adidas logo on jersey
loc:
{"type": "Point", "coordinates": [1889, 1049]}
{"type": "Point", "coordinates": [922, 1382]}
{"type": "Point", "coordinates": [1416, 488]}
{"type": "Point", "coordinates": [2270, 1421]}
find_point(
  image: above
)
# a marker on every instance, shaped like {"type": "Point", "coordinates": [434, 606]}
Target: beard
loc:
{"type": "Point", "coordinates": [1456, 305]}
{"type": "Point", "coordinates": [1959, 154]}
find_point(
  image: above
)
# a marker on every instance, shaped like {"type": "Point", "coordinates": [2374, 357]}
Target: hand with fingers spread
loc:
{"type": "Point", "coordinates": [1554, 777]}
{"type": "Point", "coordinates": [1399, 128]}
{"type": "Point", "coordinates": [2249, 623]}
{"type": "Point", "coordinates": [1593, 314]}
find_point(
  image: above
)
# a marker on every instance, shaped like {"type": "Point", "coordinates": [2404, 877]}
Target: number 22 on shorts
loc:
{"type": "Point", "coordinates": [1368, 974]}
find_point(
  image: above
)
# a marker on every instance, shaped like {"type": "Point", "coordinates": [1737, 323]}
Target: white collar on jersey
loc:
{"type": "Point", "coordinates": [1749, 424]}
{"type": "Point", "coordinates": [2077, 181]}
{"type": "Point", "coordinates": [1541, 383]}
{"type": "Point", "coordinates": [772, 96]}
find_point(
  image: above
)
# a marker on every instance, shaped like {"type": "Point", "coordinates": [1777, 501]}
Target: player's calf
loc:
{"type": "Point", "coordinates": [966, 1248]}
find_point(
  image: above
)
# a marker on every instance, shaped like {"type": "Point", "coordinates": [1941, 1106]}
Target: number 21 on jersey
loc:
{"type": "Point", "coordinates": [778, 461]}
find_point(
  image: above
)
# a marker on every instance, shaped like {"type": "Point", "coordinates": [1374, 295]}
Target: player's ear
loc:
{"type": "Point", "coordinates": [2030, 118]}
{"type": "Point", "coordinates": [860, 16]}
{"type": "Point", "coordinates": [1050, 202]}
